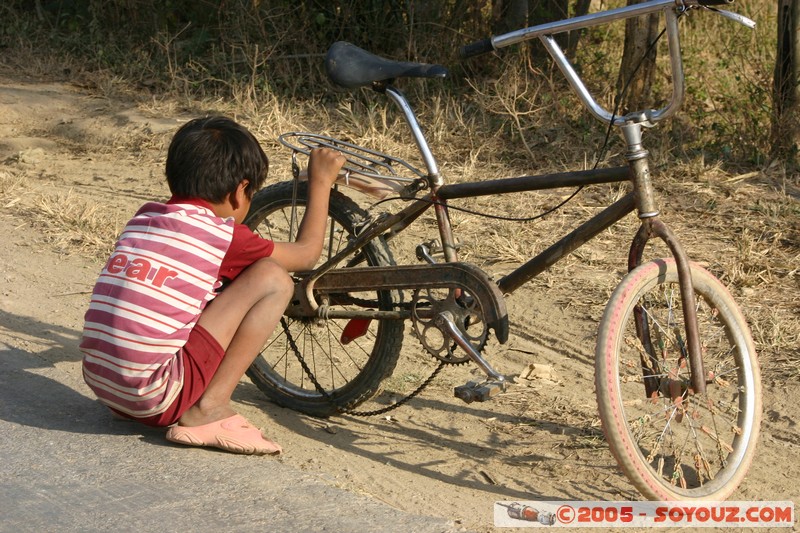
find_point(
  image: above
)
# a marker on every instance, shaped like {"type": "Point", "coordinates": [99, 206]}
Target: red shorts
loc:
{"type": "Point", "coordinates": [201, 357]}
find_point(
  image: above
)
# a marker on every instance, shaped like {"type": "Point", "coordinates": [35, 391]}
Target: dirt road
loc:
{"type": "Point", "coordinates": [72, 161]}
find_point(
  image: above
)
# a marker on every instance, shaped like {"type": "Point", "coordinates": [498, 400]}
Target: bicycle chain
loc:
{"type": "Point", "coordinates": [320, 389]}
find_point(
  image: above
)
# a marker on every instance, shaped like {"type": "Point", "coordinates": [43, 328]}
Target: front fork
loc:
{"type": "Point", "coordinates": [652, 226]}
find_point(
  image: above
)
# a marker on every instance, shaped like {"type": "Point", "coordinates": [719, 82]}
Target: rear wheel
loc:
{"type": "Point", "coordinates": [348, 358]}
{"type": "Point", "coordinates": [672, 443]}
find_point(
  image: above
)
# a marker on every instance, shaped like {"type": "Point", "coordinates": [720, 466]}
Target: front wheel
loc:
{"type": "Point", "coordinates": [316, 365]}
{"type": "Point", "coordinates": [671, 443]}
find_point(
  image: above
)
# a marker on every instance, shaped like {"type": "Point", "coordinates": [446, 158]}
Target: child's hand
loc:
{"type": "Point", "coordinates": [324, 165]}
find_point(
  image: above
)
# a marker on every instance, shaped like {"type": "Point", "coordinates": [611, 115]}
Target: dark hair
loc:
{"type": "Point", "coordinates": [209, 157]}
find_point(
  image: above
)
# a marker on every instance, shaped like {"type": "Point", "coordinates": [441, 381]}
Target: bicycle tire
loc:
{"type": "Point", "coordinates": [673, 444]}
{"type": "Point", "coordinates": [349, 373]}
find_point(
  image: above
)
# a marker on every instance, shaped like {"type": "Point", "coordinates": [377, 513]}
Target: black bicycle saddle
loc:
{"type": "Point", "coordinates": [350, 66]}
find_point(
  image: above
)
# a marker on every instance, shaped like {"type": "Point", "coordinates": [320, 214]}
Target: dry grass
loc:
{"type": "Point", "coordinates": [73, 224]}
{"type": "Point", "coordinates": [70, 222]}
{"type": "Point", "coordinates": [11, 185]}
{"type": "Point", "coordinates": [735, 213]}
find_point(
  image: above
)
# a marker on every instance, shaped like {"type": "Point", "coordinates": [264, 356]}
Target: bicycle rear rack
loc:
{"type": "Point", "coordinates": [372, 172]}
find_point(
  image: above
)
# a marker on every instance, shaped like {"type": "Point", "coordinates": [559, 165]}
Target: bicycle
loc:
{"type": "Point", "coordinates": [676, 373]}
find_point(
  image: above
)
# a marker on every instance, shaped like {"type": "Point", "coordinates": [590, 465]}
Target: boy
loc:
{"type": "Point", "coordinates": [160, 345]}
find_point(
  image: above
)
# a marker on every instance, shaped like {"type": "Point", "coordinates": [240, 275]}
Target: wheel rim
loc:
{"type": "Point", "coordinates": [335, 364]}
{"type": "Point", "coordinates": [693, 444]}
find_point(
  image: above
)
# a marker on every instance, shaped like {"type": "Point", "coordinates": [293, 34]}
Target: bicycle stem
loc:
{"type": "Point", "coordinates": [636, 156]}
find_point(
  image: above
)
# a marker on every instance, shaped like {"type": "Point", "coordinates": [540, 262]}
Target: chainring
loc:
{"type": "Point", "coordinates": [426, 306]}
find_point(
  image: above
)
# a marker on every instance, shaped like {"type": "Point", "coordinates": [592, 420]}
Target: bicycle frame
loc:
{"type": "Point", "coordinates": [650, 411]}
{"type": "Point", "coordinates": [569, 243]}
{"type": "Point", "coordinates": [641, 198]}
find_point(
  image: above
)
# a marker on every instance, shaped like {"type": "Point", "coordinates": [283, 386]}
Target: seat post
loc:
{"type": "Point", "coordinates": [434, 179]}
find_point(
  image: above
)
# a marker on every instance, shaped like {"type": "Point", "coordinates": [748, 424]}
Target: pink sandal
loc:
{"type": "Point", "coordinates": [234, 434]}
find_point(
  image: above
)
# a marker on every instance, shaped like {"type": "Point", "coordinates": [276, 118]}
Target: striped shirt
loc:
{"type": "Point", "coordinates": [162, 273]}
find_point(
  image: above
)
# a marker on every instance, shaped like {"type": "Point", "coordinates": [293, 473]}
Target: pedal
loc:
{"type": "Point", "coordinates": [479, 391]}
{"type": "Point", "coordinates": [428, 251]}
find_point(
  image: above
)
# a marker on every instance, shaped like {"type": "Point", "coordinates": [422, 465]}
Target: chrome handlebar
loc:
{"type": "Point", "coordinates": [671, 8]}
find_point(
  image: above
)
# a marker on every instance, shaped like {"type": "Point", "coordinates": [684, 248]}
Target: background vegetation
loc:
{"type": "Point", "coordinates": [734, 202]}
{"type": "Point", "coordinates": [257, 51]}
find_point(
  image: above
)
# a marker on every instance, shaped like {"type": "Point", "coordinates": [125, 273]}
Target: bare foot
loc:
{"type": "Point", "coordinates": [199, 416]}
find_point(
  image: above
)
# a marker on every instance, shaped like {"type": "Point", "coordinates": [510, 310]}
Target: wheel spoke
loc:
{"type": "Point", "coordinates": [671, 442]}
{"type": "Point", "coordinates": [305, 365]}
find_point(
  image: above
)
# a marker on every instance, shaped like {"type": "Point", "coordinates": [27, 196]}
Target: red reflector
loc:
{"type": "Point", "coordinates": [357, 327]}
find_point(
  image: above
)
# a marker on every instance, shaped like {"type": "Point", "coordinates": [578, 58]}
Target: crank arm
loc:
{"type": "Point", "coordinates": [445, 321]}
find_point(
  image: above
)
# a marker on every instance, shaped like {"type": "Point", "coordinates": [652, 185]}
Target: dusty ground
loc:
{"type": "Point", "coordinates": [72, 162]}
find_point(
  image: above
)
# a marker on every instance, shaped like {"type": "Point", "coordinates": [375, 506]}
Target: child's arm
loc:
{"type": "Point", "coordinates": [323, 168]}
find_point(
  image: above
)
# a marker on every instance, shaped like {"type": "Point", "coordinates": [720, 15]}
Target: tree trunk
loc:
{"type": "Point", "coordinates": [786, 120]}
{"type": "Point", "coordinates": [581, 8]}
{"type": "Point", "coordinates": [510, 15]}
{"type": "Point", "coordinates": [640, 32]}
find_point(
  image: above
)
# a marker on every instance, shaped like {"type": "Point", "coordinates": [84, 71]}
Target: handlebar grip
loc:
{"type": "Point", "coordinates": [475, 49]}
{"type": "Point", "coordinates": [714, 2]}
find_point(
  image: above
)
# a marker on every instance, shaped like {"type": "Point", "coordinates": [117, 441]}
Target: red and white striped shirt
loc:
{"type": "Point", "coordinates": [164, 270]}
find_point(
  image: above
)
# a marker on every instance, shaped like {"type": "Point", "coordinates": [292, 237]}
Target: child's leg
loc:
{"type": "Point", "coordinates": [241, 319]}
